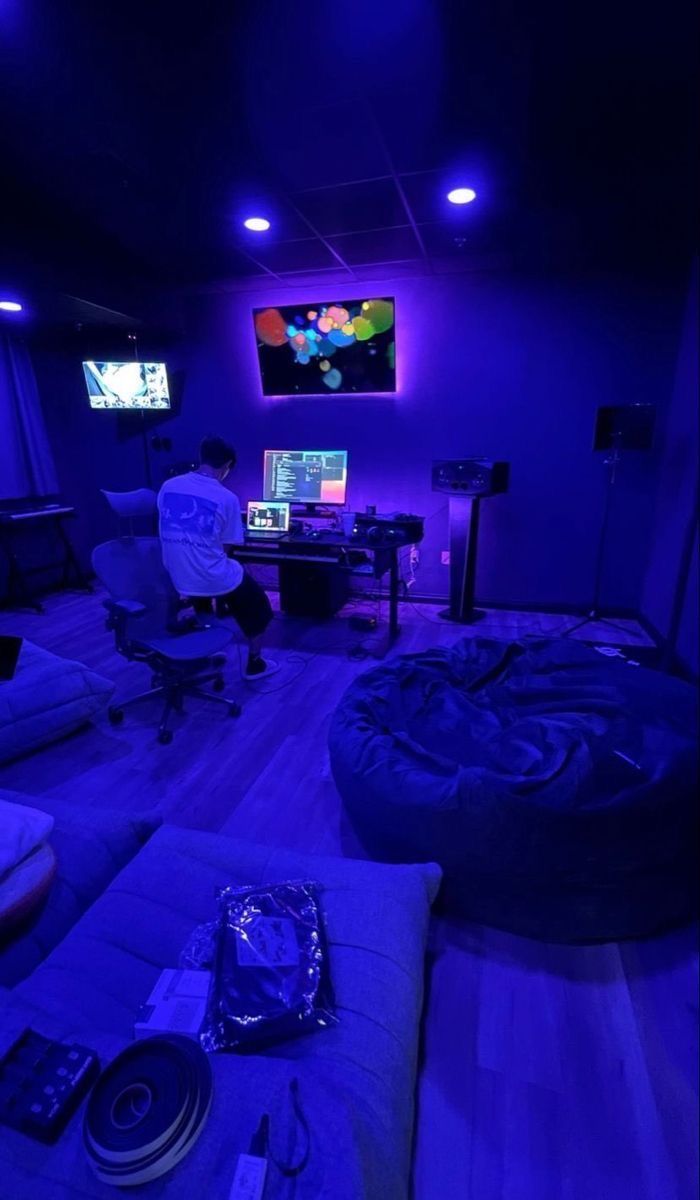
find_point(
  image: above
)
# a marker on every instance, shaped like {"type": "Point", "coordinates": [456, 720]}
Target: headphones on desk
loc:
{"type": "Point", "coordinates": [382, 535]}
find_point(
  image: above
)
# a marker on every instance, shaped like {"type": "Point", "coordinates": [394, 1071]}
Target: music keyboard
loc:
{"type": "Point", "coordinates": [53, 510]}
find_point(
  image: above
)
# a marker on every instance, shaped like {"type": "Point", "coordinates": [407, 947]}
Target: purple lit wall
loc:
{"type": "Point", "coordinates": [504, 368]}
{"type": "Point", "coordinates": [493, 366]}
{"type": "Point", "coordinates": [670, 589]}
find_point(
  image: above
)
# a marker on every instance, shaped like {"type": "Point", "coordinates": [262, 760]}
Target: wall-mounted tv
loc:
{"type": "Point", "coordinates": [127, 385]}
{"type": "Point", "coordinates": [320, 349]}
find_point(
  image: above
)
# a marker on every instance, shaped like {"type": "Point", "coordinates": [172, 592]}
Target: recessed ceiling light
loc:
{"type": "Point", "coordinates": [10, 306]}
{"type": "Point", "coordinates": [257, 224]}
{"type": "Point", "coordinates": [461, 195]}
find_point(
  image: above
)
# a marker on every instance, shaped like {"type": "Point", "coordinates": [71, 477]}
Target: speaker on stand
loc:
{"type": "Point", "coordinates": [618, 428]}
{"type": "Point", "coordinates": [466, 481]}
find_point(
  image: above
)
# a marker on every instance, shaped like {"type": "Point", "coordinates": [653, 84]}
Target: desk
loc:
{"type": "Point", "coordinates": [333, 550]}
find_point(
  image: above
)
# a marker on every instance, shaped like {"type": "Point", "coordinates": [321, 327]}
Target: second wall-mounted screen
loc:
{"type": "Point", "coordinates": [127, 385]}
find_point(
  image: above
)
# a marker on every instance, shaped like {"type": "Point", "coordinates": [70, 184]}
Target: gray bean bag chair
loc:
{"type": "Point", "coordinates": [556, 787]}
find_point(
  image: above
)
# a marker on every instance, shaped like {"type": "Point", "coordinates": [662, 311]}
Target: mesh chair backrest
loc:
{"type": "Point", "coordinates": [140, 503]}
{"type": "Point", "coordinates": [131, 568]}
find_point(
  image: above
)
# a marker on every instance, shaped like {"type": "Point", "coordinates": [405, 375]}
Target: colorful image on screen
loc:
{"type": "Point", "coordinates": [322, 349]}
{"type": "Point", "coordinates": [127, 385]}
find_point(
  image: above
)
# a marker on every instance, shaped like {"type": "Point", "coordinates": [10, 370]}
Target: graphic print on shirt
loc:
{"type": "Point", "coordinates": [187, 518]}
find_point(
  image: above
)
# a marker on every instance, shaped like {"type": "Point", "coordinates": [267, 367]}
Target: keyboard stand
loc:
{"type": "Point", "coordinates": [18, 592]}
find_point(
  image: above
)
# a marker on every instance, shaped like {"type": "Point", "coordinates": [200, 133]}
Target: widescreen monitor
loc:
{"type": "Point", "coordinates": [306, 476]}
{"type": "Point", "coordinates": [127, 385]}
{"type": "Point", "coordinates": [326, 349]}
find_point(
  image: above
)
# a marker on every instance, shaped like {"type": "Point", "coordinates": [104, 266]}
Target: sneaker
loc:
{"type": "Point", "coordinates": [260, 668]}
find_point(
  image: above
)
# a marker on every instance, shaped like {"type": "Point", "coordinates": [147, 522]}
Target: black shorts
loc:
{"type": "Point", "coordinates": [248, 604]}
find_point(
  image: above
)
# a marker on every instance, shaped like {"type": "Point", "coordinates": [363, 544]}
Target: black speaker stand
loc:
{"type": "Point", "coordinates": [464, 535]}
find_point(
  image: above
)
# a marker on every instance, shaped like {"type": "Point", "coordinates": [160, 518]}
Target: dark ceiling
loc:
{"type": "Point", "coordinates": [136, 137]}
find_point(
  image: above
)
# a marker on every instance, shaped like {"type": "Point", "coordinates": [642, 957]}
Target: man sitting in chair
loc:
{"type": "Point", "coordinates": [199, 517]}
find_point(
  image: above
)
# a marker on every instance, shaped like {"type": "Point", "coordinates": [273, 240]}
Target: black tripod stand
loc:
{"type": "Point", "coordinates": [625, 427]}
{"type": "Point", "coordinates": [593, 616]}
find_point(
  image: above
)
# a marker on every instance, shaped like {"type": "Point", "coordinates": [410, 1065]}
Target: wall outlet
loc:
{"type": "Point", "coordinates": [445, 558]}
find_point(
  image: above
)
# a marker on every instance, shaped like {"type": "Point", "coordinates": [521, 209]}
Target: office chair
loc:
{"type": "Point", "coordinates": [142, 613]}
{"type": "Point", "coordinates": [129, 506]}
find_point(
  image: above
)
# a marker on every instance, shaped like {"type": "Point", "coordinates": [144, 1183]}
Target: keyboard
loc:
{"type": "Point", "coordinates": [321, 535]}
{"type": "Point", "coordinates": [264, 535]}
{"type": "Point", "coordinates": [30, 514]}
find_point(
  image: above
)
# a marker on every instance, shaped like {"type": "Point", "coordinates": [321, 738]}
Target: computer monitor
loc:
{"type": "Point", "coordinates": [306, 476]}
{"type": "Point", "coordinates": [268, 515]}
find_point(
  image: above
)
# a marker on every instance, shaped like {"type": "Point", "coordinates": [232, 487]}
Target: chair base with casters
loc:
{"type": "Point", "coordinates": [173, 688]}
{"type": "Point", "coordinates": [142, 613]}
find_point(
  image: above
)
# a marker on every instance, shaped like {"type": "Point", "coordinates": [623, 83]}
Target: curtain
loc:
{"type": "Point", "coordinates": [26, 462]}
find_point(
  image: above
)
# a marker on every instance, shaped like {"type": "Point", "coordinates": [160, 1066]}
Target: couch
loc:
{"type": "Point", "coordinates": [48, 698]}
{"type": "Point", "coordinates": [91, 845]}
{"type": "Point", "coordinates": [356, 1080]}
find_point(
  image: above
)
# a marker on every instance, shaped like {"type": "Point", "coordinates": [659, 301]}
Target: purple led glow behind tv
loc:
{"type": "Point", "coordinates": [344, 347]}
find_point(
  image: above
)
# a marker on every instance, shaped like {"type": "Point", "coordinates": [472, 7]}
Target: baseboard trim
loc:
{"type": "Point", "coordinates": [669, 660]}
{"type": "Point", "coordinates": [555, 607]}
{"type": "Point", "coordinates": [651, 631]}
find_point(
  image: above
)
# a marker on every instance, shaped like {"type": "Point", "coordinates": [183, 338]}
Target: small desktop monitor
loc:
{"type": "Point", "coordinates": [127, 385]}
{"type": "Point", "coordinates": [306, 476]}
{"type": "Point", "coordinates": [272, 516]}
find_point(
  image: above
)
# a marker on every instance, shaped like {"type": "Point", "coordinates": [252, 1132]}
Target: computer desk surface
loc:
{"type": "Point", "coordinates": [332, 549]}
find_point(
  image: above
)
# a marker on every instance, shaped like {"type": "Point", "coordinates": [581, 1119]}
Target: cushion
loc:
{"type": "Point", "coordinates": [22, 829]}
{"type": "Point", "coordinates": [556, 787]}
{"type": "Point", "coordinates": [91, 846]}
{"type": "Point", "coordinates": [24, 888]}
{"type": "Point", "coordinates": [48, 698]}
{"type": "Point", "coordinates": [356, 1080]}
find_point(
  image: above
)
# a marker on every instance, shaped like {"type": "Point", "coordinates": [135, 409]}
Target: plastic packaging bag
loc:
{"type": "Point", "coordinates": [200, 950]}
{"type": "Point", "coordinates": [271, 975]}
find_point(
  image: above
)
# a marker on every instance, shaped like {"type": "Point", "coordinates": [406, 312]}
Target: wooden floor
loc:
{"type": "Point", "coordinates": [548, 1073]}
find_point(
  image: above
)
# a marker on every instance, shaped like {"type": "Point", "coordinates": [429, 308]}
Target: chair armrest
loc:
{"type": "Point", "coordinates": [124, 608]}
{"type": "Point", "coordinates": [119, 614]}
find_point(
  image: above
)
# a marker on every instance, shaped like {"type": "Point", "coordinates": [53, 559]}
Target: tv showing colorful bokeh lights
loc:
{"type": "Point", "coordinates": [322, 349]}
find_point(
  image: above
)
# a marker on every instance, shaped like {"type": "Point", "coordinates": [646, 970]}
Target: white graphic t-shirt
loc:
{"type": "Point", "coordinates": [199, 517]}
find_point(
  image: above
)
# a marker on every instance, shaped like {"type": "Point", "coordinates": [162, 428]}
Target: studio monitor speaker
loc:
{"type": "Point", "coordinates": [470, 476]}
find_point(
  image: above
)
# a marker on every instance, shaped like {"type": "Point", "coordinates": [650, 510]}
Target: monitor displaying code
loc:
{"type": "Point", "coordinates": [306, 476]}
